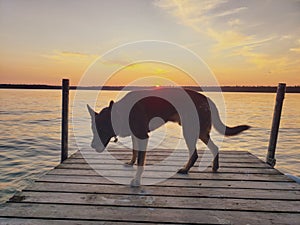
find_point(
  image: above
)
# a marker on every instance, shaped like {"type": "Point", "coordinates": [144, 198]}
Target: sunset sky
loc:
{"type": "Point", "coordinates": [253, 42]}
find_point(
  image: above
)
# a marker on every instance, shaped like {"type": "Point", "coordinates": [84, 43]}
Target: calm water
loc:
{"type": "Point", "coordinates": [30, 132]}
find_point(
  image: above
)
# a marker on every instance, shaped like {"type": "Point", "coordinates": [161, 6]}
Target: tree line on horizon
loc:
{"type": "Point", "coordinates": [272, 89]}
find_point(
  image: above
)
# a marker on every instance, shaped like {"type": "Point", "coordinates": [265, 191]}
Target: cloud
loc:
{"type": "Point", "coordinates": [297, 47]}
{"type": "Point", "coordinates": [234, 22]}
{"type": "Point", "coordinates": [286, 37]}
{"type": "Point", "coordinates": [242, 28]}
{"type": "Point", "coordinates": [259, 59]}
{"type": "Point", "coordinates": [115, 61]}
{"type": "Point", "coordinates": [190, 13]}
{"type": "Point", "coordinates": [202, 16]}
{"type": "Point", "coordinates": [230, 12]}
{"type": "Point", "coordinates": [228, 39]}
{"type": "Point", "coordinates": [69, 56]}
{"type": "Point", "coordinates": [74, 54]}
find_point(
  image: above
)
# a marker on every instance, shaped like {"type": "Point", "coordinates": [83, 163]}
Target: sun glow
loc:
{"type": "Point", "coordinates": [240, 49]}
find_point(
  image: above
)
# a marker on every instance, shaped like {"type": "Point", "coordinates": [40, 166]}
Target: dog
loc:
{"type": "Point", "coordinates": [131, 116]}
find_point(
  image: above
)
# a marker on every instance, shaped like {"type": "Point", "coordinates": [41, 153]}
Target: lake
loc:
{"type": "Point", "coordinates": [30, 131]}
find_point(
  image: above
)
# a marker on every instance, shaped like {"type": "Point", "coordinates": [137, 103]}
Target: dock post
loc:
{"type": "Point", "coordinates": [275, 124]}
{"type": "Point", "coordinates": [64, 121]}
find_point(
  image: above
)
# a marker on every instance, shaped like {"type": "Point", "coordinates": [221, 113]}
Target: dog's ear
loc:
{"type": "Point", "coordinates": [91, 111]}
{"type": "Point", "coordinates": [111, 104]}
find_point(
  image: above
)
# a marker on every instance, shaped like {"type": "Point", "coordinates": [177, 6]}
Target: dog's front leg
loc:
{"type": "Point", "coordinates": [133, 158]}
{"type": "Point", "coordinates": [134, 151]}
{"type": "Point", "coordinates": [136, 182]}
{"type": "Point", "coordinates": [141, 154]}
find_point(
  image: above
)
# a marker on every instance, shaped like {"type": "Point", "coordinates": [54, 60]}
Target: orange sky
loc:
{"type": "Point", "coordinates": [242, 42]}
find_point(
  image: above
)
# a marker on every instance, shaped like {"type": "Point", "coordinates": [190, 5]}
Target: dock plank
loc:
{"type": "Point", "coordinates": [165, 201]}
{"type": "Point", "coordinates": [237, 170]}
{"type": "Point", "coordinates": [190, 176]}
{"type": "Point", "coordinates": [181, 183]}
{"type": "Point", "coordinates": [44, 221]}
{"type": "Point", "coordinates": [146, 214]}
{"type": "Point", "coordinates": [153, 158]}
{"type": "Point", "coordinates": [160, 190]}
{"type": "Point", "coordinates": [244, 191]}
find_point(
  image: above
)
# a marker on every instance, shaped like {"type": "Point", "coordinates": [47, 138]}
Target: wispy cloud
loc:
{"type": "Point", "coordinates": [239, 28]}
{"type": "Point", "coordinates": [296, 48]}
{"type": "Point", "coordinates": [149, 68]}
{"type": "Point", "coordinates": [68, 56]}
{"type": "Point", "coordinates": [74, 54]}
{"type": "Point", "coordinates": [228, 39]}
{"type": "Point", "coordinates": [202, 16]}
{"type": "Point", "coordinates": [234, 22]}
{"type": "Point", "coordinates": [230, 12]}
{"type": "Point", "coordinates": [115, 61]}
{"type": "Point", "coordinates": [190, 13]}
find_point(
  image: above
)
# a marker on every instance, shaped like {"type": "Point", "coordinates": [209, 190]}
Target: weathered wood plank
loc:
{"type": "Point", "coordinates": [81, 183]}
{"type": "Point", "coordinates": [147, 214]}
{"type": "Point", "coordinates": [152, 158]}
{"type": "Point", "coordinates": [191, 176]}
{"type": "Point", "coordinates": [169, 151]}
{"type": "Point", "coordinates": [195, 169]}
{"type": "Point", "coordinates": [155, 159]}
{"type": "Point", "coordinates": [22, 221]}
{"type": "Point", "coordinates": [178, 164]}
{"type": "Point", "coordinates": [154, 201]}
{"type": "Point", "coordinates": [160, 190]}
{"type": "Point", "coordinates": [166, 152]}
{"type": "Point", "coordinates": [228, 152]}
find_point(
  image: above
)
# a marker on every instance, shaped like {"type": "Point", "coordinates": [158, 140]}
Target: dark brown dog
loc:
{"type": "Point", "coordinates": [131, 116]}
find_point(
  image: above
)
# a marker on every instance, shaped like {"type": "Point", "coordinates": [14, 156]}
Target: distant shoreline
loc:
{"type": "Point", "coordinates": [259, 89]}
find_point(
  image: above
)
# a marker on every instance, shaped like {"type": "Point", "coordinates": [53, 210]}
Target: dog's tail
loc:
{"type": "Point", "coordinates": [220, 126]}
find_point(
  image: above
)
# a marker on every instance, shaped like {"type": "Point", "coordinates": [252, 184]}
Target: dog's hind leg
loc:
{"type": "Point", "coordinates": [214, 150]}
{"type": "Point", "coordinates": [193, 156]}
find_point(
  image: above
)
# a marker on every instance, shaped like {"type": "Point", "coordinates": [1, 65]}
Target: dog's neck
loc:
{"type": "Point", "coordinates": [118, 121]}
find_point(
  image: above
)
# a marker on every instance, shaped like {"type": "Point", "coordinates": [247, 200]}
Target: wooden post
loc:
{"type": "Point", "coordinates": [64, 121]}
{"type": "Point", "coordinates": [275, 125]}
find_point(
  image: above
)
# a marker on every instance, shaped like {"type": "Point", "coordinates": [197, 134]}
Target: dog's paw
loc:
{"type": "Point", "coordinates": [135, 183]}
{"type": "Point", "coordinates": [183, 171]}
{"type": "Point", "coordinates": [215, 169]}
{"type": "Point", "coordinates": [128, 164]}
{"type": "Point", "coordinates": [215, 165]}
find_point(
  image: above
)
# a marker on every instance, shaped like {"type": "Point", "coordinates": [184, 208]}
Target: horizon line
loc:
{"type": "Point", "coordinates": [57, 85]}
{"type": "Point", "coordinates": [225, 88]}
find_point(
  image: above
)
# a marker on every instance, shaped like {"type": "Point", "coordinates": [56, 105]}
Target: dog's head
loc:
{"type": "Point", "coordinates": [101, 127]}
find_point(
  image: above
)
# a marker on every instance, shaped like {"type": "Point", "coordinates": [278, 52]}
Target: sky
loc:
{"type": "Point", "coordinates": [242, 42]}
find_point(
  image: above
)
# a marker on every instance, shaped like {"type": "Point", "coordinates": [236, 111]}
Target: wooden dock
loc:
{"type": "Point", "coordinates": [244, 191]}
